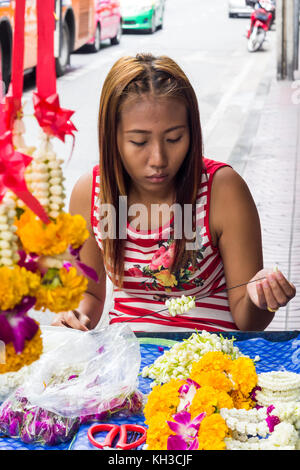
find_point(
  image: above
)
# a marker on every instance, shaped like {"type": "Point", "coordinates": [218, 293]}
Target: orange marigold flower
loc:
{"type": "Point", "coordinates": [215, 379]}
{"type": "Point", "coordinates": [53, 238]}
{"type": "Point", "coordinates": [213, 430]}
{"type": "Point", "coordinates": [158, 431]}
{"type": "Point", "coordinates": [31, 352]}
{"type": "Point", "coordinates": [163, 398]}
{"type": "Point", "coordinates": [244, 375]}
{"type": "Point", "coordinates": [64, 297]}
{"type": "Point", "coordinates": [208, 400]}
{"type": "Point", "coordinates": [213, 361]}
{"type": "Point", "coordinates": [240, 401]}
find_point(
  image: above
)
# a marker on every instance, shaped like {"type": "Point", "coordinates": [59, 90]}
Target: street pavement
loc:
{"type": "Point", "coordinates": [248, 118]}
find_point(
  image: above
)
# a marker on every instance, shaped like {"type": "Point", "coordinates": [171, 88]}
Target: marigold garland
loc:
{"type": "Point", "coordinates": [215, 382]}
{"type": "Point", "coordinates": [31, 352]}
{"type": "Point", "coordinates": [66, 296]}
{"type": "Point", "coordinates": [15, 283]}
{"type": "Point", "coordinates": [54, 238]}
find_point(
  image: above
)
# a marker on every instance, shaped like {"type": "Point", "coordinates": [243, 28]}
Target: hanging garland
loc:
{"type": "Point", "coordinates": [40, 244]}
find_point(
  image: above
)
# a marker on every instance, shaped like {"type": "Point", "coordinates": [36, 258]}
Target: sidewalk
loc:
{"type": "Point", "coordinates": [268, 158]}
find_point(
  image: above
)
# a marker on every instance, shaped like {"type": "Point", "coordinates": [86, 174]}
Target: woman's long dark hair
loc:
{"type": "Point", "coordinates": [158, 77]}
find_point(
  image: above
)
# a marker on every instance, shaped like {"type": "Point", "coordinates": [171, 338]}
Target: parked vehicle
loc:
{"type": "Point", "coordinates": [108, 23]}
{"type": "Point", "coordinates": [261, 21]}
{"type": "Point", "coordinates": [144, 15]}
{"type": "Point", "coordinates": [239, 8]}
{"type": "Point", "coordinates": [75, 26]}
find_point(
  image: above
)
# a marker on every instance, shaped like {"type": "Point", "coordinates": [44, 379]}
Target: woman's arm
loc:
{"type": "Point", "coordinates": [89, 311]}
{"type": "Point", "coordinates": [235, 221]}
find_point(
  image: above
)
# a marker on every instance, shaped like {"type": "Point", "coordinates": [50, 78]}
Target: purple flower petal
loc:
{"type": "Point", "coordinates": [180, 429]}
{"type": "Point", "coordinates": [192, 382]}
{"type": "Point", "coordinates": [184, 389]}
{"type": "Point", "coordinates": [272, 421]}
{"type": "Point", "coordinates": [253, 393]}
{"type": "Point", "coordinates": [194, 445]}
{"type": "Point", "coordinates": [176, 443]}
{"type": "Point", "coordinates": [183, 417]}
{"type": "Point", "coordinates": [270, 409]}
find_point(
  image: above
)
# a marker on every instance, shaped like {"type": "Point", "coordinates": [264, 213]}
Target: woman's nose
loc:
{"type": "Point", "coordinates": [158, 158]}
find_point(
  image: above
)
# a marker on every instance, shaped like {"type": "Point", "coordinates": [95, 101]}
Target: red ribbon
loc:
{"type": "Point", "coordinates": [53, 119]}
{"type": "Point", "coordinates": [13, 100]}
{"type": "Point", "coordinates": [12, 168]}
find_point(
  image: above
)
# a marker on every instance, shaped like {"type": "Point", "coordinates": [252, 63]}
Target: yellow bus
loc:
{"type": "Point", "coordinates": [75, 26]}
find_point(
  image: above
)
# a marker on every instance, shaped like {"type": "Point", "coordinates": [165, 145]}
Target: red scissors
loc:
{"type": "Point", "coordinates": [113, 431]}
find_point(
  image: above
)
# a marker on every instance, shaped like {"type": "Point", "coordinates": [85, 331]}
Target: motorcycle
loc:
{"type": "Point", "coordinates": [262, 19]}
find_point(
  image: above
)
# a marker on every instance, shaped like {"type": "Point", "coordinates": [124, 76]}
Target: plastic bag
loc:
{"type": "Point", "coordinates": [19, 419]}
{"type": "Point", "coordinates": [105, 365]}
{"type": "Point", "coordinates": [89, 376]}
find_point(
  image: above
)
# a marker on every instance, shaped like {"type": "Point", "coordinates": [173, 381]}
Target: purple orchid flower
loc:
{"type": "Point", "coordinates": [17, 328]}
{"type": "Point", "coordinates": [187, 393]}
{"type": "Point", "coordinates": [186, 431]}
{"type": "Point", "coordinates": [87, 270]}
{"type": "Point", "coordinates": [28, 261]}
{"type": "Point", "coordinates": [178, 443]}
{"type": "Point", "coordinates": [253, 393]}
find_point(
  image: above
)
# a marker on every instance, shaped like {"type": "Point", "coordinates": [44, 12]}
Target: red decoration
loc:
{"type": "Point", "coordinates": [12, 167]}
{"type": "Point", "coordinates": [53, 119]}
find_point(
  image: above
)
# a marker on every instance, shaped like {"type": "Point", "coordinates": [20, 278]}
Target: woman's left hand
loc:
{"type": "Point", "coordinates": [271, 293]}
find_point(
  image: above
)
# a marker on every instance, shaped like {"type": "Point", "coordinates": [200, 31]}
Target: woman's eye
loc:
{"type": "Point", "coordinates": [139, 144]}
{"type": "Point", "coordinates": [173, 141]}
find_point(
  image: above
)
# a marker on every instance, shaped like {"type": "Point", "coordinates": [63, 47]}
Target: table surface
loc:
{"type": "Point", "coordinates": [277, 351]}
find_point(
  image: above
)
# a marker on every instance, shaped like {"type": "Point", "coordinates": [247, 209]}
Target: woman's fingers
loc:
{"type": "Point", "coordinates": [275, 291]}
{"type": "Point", "coordinates": [72, 319]}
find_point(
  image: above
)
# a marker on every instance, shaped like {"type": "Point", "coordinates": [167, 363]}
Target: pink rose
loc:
{"type": "Point", "coordinates": [163, 257]}
{"type": "Point", "coordinates": [135, 272]}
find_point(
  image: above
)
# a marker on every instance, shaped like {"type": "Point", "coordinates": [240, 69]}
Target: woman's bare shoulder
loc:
{"type": "Point", "coordinates": [230, 195]}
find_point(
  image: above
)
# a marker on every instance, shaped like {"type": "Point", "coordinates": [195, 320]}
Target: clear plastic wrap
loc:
{"type": "Point", "coordinates": [89, 376]}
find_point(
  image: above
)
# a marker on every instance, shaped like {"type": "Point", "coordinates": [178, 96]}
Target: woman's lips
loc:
{"type": "Point", "coordinates": [157, 178]}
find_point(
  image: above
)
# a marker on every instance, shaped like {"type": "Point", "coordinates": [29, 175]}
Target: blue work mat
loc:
{"type": "Point", "coordinates": [278, 352]}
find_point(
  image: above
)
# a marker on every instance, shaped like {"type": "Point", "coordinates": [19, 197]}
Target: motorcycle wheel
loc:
{"type": "Point", "coordinates": [256, 39]}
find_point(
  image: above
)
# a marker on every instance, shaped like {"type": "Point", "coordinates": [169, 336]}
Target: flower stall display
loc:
{"type": "Point", "coordinates": [223, 404]}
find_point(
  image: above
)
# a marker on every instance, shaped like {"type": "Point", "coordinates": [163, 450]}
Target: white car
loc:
{"type": "Point", "coordinates": [239, 8]}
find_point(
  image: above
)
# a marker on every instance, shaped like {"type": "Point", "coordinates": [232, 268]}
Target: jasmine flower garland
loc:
{"type": "Point", "coordinates": [180, 305]}
{"type": "Point", "coordinates": [177, 362]}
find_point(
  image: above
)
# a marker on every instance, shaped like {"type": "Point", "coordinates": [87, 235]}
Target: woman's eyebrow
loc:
{"type": "Point", "coordinates": [141, 131]}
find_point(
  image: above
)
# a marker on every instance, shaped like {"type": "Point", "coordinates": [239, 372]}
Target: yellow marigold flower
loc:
{"type": "Point", "coordinates": [31, 352]}
{"type": "Point", "coordinates": [65, 297]}
{"type": "Point", "coordinates": [53, 238]}
{"type": "Point", "coordinates": [215, 379]}
{"type": "Point", "coordinates": [213, 361]}
{"type": "Point", "coordinates": [240, 401]}
{"type": "Point", "coordinates": [207, 399]}
{"type": "Point", "coordinates": [15, 283]}
{"type": "Point", "coordinates": [213, 430]}
{"type": "Point", "coordinates": [163, 399]}
{"type": "Point", "coordinates": [165, 278]}
{"type": "Point", "coordinates": [158, 431]}
{"type": "Point", "coordinates": [244, 375]}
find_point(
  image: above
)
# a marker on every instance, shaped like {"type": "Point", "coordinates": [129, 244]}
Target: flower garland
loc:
{"type": "Point", "coordinates": [40, 264]}
{"type": "Point", "coordinates": [218, 407]}
{"type": "Point", "coordinates": [185, 414]}
{"type": "Point", "coordinates": [176, 363]}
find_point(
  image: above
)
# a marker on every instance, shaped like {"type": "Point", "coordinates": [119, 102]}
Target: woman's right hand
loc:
{"type": "Point", "coordinates": [72, 319]}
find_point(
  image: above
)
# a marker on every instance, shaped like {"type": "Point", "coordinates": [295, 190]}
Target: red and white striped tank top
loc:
{"type": "Point", "coordinates": [148, 282]}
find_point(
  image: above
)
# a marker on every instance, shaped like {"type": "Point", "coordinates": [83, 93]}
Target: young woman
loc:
{"type": "Point", "coordinates": [203, 236]}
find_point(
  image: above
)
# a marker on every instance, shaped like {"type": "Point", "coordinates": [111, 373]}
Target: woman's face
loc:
{"type": "Point", "coordinates": [153, 140]}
